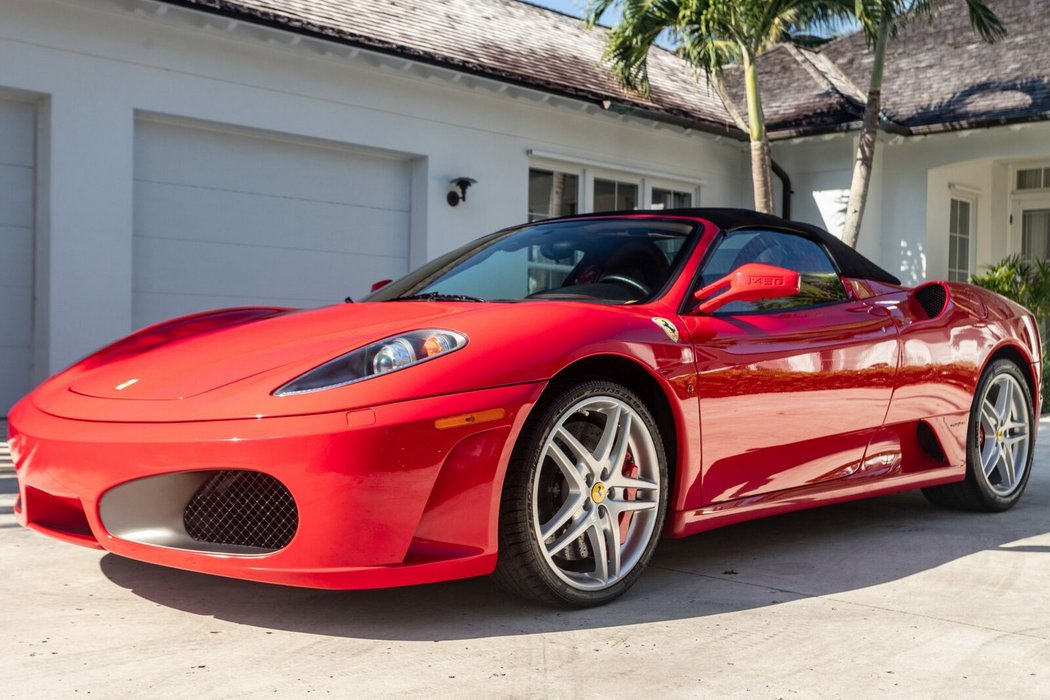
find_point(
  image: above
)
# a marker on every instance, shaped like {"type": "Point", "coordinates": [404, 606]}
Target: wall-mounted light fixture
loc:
{"type": "Point", "coordinates": [463, 183]}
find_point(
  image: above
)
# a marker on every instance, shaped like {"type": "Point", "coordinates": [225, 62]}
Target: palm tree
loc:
{"type": "Point", "coordinates": [712, 34]}
{"type": "Point", "coordinates": [881, 19]}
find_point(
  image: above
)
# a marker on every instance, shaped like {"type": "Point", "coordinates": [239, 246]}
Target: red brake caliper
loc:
{"type": "Point", "coordinates": [631, 471]}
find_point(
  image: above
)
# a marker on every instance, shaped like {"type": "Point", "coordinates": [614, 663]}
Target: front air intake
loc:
{"type": "Point", "coordinates": [242, 508]}
{"type": "Point", "coordinates": [932, 298]}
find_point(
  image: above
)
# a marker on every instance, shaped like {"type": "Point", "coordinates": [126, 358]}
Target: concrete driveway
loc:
{"type": "Point", "coordinates": [885, 597]}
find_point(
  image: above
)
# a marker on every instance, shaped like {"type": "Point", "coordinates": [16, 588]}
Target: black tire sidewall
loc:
{"type": "Point", "coordinates": [529, 458]}
{"type": "Point", "coordinates": [975, 475]}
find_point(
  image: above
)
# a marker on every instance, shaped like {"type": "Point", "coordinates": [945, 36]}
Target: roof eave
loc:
{"type": "Point", "coordinates": [605, 102]}
{"type": "Point", "coordinates": [975, 124]}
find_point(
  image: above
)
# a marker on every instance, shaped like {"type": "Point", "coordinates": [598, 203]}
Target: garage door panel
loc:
{"type": "Point", "coordinates": [16, 251]}
{"type": "Point", "coordinates": [165, 306]}
{"type": "Point", "coordinates": [223, 269]}
{"type": "Point", "coordinates": [16, 317]}
{"type": "Point", "coordinates": [17, 145]}
{"type": "Point", "coordinates": [225, 218]}
{"type": "Point", "coordinates": [16, 133]}
{"type": "Point", "coordinates": [230, 217]}
{"type": "Point", "coordinates": [154, 306]}
{"type": "Point", "coordinates": [259, 165]}
{"type": "Point", "coordinates": [16, 195]}
{"type": "Point", "coordinates": [13, 385]}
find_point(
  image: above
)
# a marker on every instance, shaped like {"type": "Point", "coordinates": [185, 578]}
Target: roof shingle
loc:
{"type": "Point", "coordinates": [939, 75]}
{"type": "Point", "coordinates": [797, 96]}
{"type": "Point", "coordinates": [506, 40]}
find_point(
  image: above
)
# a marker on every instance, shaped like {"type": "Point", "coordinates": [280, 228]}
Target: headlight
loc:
{"type": "Point", "coordinates": [388, 355]}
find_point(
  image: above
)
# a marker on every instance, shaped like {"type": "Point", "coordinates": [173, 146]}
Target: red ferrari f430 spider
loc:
{"type": "Point", "coordinates": [542, 405]}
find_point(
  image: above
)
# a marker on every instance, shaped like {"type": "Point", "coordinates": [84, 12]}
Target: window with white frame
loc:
{"type": "Point", "coordinates": [1033, 179]}
{"type": "Point", "coordinates": [1035, 233]}
{"type": "Point", "coordinates": [664, 198]}
{"type": "Point", "coordinates": [552, 193]}
{"type": "Point", "coordinates": [960, 239]}
{"type": "Point", "coordinates": [614, 195]}
{"type": "Point", "coordinates": [564, 188]}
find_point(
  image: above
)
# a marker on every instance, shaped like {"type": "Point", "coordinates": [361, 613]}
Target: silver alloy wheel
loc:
{"type": "Point", "coordinates": [596, 493]}
{"type": "Point", "coordinates": [1004, 434]}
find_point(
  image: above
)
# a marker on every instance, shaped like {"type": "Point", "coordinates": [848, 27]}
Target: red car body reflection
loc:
{"type": "Point", "coordinates": [397, 480]}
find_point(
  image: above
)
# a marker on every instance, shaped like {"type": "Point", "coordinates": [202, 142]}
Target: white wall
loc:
{"type": "Point", "coordinates": [820, 171]}
{"type": "Point", "coordinates": [901, 231]}
{"type": "Point", "coordinates": [96, 64]}
{"type": "Point", "coordinates": [971, 181]}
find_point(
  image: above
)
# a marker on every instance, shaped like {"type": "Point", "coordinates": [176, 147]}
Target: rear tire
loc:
{"type": "Point", "coordinates": [999, 444]}
{"type": "Point", "coordinates": [584, 498]}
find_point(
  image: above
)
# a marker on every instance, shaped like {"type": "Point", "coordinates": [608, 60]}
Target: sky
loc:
{"type": "Point", "coordinates": [576, 7]}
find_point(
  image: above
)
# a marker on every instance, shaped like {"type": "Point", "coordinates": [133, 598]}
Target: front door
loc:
{"type": "Point", "coordinates": [1031, 224]}
{"type": "Point", "coordinates": [790, 389]}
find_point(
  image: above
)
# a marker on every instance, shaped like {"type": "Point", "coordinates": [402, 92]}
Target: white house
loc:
{"type": "Point", "coordinates": [962, 176]}
{"type": "Point", "coordinates": [157, 159]}
{"type": "Point", "coordinates": [163, 156]}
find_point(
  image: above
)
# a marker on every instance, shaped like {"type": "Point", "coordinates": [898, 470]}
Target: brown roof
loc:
{"type": "Point", "coordinates": [506, 40]}
{"type": "Point", "coordinates": [939, 75]}
{"type": "Point", "coordinates": [798, 97]}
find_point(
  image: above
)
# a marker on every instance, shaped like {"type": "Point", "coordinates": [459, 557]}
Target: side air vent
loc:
{"type": "Point", "coordinates": [242, 508]}
{"type": "Point", "coordinates": [929, 443]}
{"type": "Point", "coordinates": [932, 298]}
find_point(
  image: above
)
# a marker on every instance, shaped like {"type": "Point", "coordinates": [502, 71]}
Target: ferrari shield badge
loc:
{"type": "Point", "coordinates": [667, 327]}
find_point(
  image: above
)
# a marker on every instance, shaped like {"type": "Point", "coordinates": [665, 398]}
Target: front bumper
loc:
{"type": "Point", "coordinates": [395, 495]}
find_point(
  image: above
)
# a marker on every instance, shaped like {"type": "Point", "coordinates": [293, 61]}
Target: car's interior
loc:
{"type": "Point", "coordinates": [603, 261]}
{"type": "Point", "coordinates": [615, 269]}
{"type": "Point", "coordinates": [820, 282]}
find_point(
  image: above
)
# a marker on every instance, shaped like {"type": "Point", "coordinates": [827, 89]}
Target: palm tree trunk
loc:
{"type": "Point", "coordinates": [858, 191]}
{"type": "Point", "coordinates": [761, 159]}
{"type": "Point", "coordinates": [557, 194]}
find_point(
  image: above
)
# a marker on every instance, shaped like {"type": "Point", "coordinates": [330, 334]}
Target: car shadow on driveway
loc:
{"type": "Point", "coordinates": [766, 562]}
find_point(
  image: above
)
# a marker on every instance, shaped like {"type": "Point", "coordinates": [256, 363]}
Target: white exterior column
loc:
{"type": "Point", "coordinates": [85, 197]}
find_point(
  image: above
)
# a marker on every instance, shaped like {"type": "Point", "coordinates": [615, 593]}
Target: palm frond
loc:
{"type": "Point", "coordinates": [594, 11]}
{"type": "Point", "coordinates": [629, 42]}
{"type": "Point", "coordinates": [985, 22]}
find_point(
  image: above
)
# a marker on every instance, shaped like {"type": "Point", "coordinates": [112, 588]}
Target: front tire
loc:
{"type": "Point", "coordinates": [584, 498]}
{"type": "Point", "coordinates": [999, 444]}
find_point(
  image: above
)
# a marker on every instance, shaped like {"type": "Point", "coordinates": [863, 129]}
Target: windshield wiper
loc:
{"type": "Point", "coordinates": [436, 296]}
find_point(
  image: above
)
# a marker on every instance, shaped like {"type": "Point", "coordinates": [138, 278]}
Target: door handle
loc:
{"type": "Point", "coordinates": [879, 310]}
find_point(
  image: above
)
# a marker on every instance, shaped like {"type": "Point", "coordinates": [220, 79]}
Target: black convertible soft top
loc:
{"type": "Point", "coordinates": [849, 261]}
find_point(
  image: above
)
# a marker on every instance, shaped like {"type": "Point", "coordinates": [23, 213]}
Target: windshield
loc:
{"type": "Point", "coordinates": [613, 261]}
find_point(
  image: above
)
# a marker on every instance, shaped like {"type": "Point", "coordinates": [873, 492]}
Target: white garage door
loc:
{"type": "Point", "coordinates": [225, 218]}
{"type": "Point", "coordinates": [16, 249]}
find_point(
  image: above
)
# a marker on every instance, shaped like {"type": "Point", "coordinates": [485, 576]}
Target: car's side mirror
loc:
{"type": "Point", "coordinates": [751, 282]}
{"type": "Point", "coordinates": [376, 286]}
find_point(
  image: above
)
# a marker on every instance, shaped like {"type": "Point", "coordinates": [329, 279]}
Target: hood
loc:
{"type": "Point", "coordinates": [231, 372]}
{"type": "Point", "coordinates": [200, 363]}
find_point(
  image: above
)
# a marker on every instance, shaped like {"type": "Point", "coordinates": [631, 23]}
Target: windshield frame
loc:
{"type": "Point", "coordinates": [402, 288]}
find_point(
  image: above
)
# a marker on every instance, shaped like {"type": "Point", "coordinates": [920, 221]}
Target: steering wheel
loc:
{"type": "Point", "coordinates": [628, 282]}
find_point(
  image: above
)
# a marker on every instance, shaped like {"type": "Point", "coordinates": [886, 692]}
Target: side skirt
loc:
{"type": "Point", "coordinates": [689, 522]}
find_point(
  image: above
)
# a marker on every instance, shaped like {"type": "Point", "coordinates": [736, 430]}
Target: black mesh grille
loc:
{"type": "Point", "coordinates": [932, 297]}
{"type": "Point", "coordinates": [242, 508]}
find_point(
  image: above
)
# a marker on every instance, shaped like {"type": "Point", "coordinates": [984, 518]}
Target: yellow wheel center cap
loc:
{"type": "Point", "coordinates": [599, 492]}
{"type": "Point", "coordinates": [1000, 434]}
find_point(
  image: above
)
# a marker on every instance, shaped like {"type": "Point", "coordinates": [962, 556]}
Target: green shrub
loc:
{"type": "Point", "coordinates": [1026, 281]}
